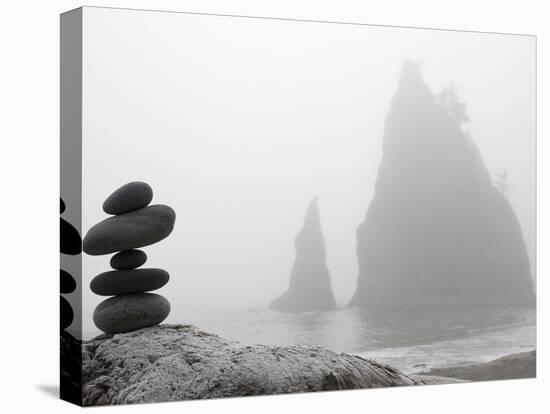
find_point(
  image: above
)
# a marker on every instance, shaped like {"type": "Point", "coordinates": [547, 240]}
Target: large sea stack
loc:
{"type": "Point", "coordinates": [438, 233]}
{"type": "Point", "coordinates": [310, 288]}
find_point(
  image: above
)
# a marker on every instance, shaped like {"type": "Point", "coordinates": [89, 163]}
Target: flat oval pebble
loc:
{"type": "Point", "coordinates": [65, 313]}
{"type": "Point", "coordinates": [129, 197]}
{"type": "Point", "coordinates": [130, 312]}
{"type": "Point", "coordinates": [69, 238]}
{"type": "Point", "coordinates": [128, 259]}
{"type": "Point", "coordinates": [66, 282]}
{"type": "Point", "coordinates": [118, 282]}
{"type": "Point", "coordinates": [138, 228]}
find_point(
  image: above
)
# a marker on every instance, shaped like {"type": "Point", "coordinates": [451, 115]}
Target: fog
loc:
{"type": "Point", "coordinates": [238, 123]}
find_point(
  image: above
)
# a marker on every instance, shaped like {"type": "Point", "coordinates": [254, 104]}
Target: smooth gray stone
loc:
{"type": "Point", "coordinates": [129, 197]}
{"type": "Point", "coordinates": [127, 231]}
{"type": "Point", "coordinates": [128, 259]}
{"type": "Point", "coordinates": [118, 282]}
{"type": "Point", "coordinates": [131, 312]}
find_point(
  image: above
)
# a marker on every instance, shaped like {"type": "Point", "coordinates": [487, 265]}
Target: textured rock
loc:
{"type": "Point", "coordinates": [65, 313]}
{"type": "Point", "coordinates": [310, 287]}
{"type": "Point", "coordinates": [129, 197]}
{"type": "Point", "coordinates": [118, 282]}
{"type": "Point", "coordinates": [129, 312]}
{"type": "Point", "coordinates": [66, 282]}
{"type": "Point", "coordinates": [127, 231]}
{"type": "Point", "coordinates": [128, 259]}
{"type": "Point", "coordinates": [175, 362]}
{"type": "Point", "coordinates": [438, 233]}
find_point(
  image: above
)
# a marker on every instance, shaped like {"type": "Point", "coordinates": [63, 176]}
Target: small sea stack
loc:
{"type": "Point", "coordinates": [310, 288]}
{"type": "Point", "coordinates": [134, 224]}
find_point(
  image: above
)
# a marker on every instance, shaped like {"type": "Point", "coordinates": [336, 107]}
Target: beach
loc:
{"type": "Point", "coordinates": [514, 366]}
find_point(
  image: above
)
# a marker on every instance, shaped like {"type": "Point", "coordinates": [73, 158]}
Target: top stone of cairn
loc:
{"type": "Point", "coordinates": [129, 197]}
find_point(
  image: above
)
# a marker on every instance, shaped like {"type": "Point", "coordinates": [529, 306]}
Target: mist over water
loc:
{"type": "Point", "coordinates": [411, 341]}
{"type": "Point", "coordinates": [238, 123]}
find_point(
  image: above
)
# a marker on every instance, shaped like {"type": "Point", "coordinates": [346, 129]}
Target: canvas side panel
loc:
{"type": "Point", "coordinates": [71, 207]}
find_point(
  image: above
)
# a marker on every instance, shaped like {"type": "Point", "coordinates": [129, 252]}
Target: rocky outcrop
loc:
{"type": "Point", "coordinates": [438, 233]}
{"type": "Point", "coordinates": [181, 362]}
{"type": "Point", "coordinates": [310, 288]}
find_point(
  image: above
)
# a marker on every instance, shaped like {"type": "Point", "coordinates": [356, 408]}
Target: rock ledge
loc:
{"type": "Point", "coordinates": [181, 362]}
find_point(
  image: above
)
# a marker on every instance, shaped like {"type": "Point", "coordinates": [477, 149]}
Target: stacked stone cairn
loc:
{"type": "Point", "coordinates": [134, 224]}
{"type": "Point", "coordinates": [71, 244]}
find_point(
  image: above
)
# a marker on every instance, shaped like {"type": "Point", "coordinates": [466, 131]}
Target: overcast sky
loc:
{"type": "Point", "coordinates": [237, 123]}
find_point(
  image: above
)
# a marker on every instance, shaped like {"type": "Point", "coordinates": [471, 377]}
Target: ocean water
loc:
{"type": "Point", "coordinates": [410, 341]}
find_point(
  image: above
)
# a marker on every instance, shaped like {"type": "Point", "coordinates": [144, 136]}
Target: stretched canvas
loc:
{"type": "Point", "coordinates": [255, 206]}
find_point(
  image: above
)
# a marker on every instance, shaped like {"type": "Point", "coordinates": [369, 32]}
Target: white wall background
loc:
{"type": "Point", "coordinates": [29, 131]}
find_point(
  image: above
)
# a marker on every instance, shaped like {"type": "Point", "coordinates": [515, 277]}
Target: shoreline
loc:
{"type": "Point", "coordinates": [514, 366]}
{"type": "Point", "coordinates": [184, 362]}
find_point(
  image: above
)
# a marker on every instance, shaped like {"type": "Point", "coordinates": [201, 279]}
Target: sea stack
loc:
{"type": "Point", "coordinates": [135, 224]}
{"type": "Point", "coordinates": [438, 233]}
{"type": "Point", "coordinates": [310, 288]}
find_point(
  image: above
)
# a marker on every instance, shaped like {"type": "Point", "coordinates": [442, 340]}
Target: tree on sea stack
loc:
{"type": "Point", "coordinates": [134, 224]}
